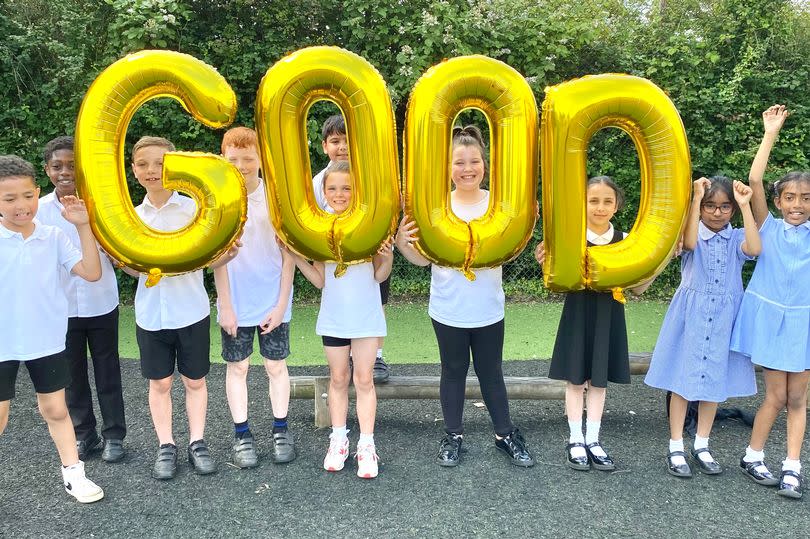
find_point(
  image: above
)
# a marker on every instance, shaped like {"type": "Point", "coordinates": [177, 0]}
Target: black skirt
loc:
{"type": "Point", "coordinates": [591, 341]}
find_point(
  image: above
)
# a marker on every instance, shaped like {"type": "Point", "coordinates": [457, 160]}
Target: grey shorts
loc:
{"type": "Point", "coordinates": [274, 345]}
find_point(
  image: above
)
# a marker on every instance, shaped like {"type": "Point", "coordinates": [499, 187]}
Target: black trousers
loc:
{"type": "Point", "coordinates": [100, 334]}
{"type": "Point", "coordinates": [486, 344]}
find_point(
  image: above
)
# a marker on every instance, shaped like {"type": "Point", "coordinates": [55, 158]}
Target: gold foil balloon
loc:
{"type": "Point", "coordinates": [287, 91]}
{"type": "Point", "coordinates": [506, 100]}
{"type": "Point", "coordinates": [216, 185]}
{"type": "Point", "coordinates": [572, 112]}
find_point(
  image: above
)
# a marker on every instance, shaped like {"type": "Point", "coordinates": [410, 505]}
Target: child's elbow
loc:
{"type": "Point", "coordinates": [93, 276]}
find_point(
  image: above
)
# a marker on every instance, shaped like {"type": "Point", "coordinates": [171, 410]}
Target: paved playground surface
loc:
{"type": "Point", "coordinates": [413, 497]}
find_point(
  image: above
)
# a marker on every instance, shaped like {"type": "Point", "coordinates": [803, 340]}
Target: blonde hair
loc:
{"type": "Point", "coordinates": [143, 142]}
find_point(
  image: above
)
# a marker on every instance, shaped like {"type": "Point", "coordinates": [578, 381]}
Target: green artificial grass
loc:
{"type": "Point", "coordinates": [530, 332]}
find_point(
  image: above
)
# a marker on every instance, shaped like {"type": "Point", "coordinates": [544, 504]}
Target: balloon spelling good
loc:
{"type": "Point", "coordinates": [506, 100]}
{"type": "Point", "coordinates": [216, 185]}
{"type": "Point", "coordinates": [287, 91]}
{"type": "Point", "coordinates": [572, 112]}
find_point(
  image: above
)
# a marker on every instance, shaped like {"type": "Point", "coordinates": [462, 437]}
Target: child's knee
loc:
{"type": "Point", "coordinates": [797, 400]}
{"type": "Point", "coordinates": [163, 385]}
{"type": "Point", "coordinates": [363, 381]}
{"type": "Point", "coordinates": [194, 385]}
{"type": "Point", "coordinates": [238, 368]}
{"type": "Point", "coordinates": [53, 409]}
{"type": "Point", "coordinates": [339, 379]}
{"type": "Point", "coordinates": [275, 368]}
{"type": "Point", "coordinates": [777, 398]}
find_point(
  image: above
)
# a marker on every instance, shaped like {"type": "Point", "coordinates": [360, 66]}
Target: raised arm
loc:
{"type": "Point", "coordinates": [75, 212]}
{"type": "Point", "coordinates": [772, 119]}
{"type": "Point", "coordinates": [314, 272]}
{"type": "Point", "coordinates": [405, 237]}
{"type": "Point", "coordinates": [752, 245]}
{"type": "Point", "coordinates": [690, 233]}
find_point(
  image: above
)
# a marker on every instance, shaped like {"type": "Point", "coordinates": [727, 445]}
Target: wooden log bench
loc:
{"type": "Point", "coordinates": [422, 387]}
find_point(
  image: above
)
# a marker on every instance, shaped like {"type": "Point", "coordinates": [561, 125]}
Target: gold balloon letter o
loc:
{"type": "Point", "coordinates": [216, 186]}
{"type": "Point", "coordinates": [572, 112]}
{"type": "Point", "coordinates": [506, 100]}
{"type": "Point", "coordinates": [287, 91]}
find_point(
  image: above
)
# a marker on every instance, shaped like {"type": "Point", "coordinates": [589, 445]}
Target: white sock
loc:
{"type": "Point", "coordinates": [592, 431]}
{"type": "Point", "coordinates": [379, 352]}
{"type": "Point", "coordinates": [575, 432]}
{"type": "Point", "coordinates": [794, 466]}
{"type": "Point", "coordinates": [703, 443]}
{"type": "Point", "coordinates": [677, 445]}
{"type": "Point", "coordinates": [365, 439]}
{"type": "Point", "coordinates": [755, 456]}
{"type": "Point", "coordinates": [340, 432]}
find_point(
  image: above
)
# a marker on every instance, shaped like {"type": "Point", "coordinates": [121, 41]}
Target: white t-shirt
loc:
{"type": "Point", "coordinates": [31, 294]}
{"type": "Point", "coordinates": [175, 301]}
{"type": "Point", "coordinates": [255, 273]}
{"type": "Point", "coordinates": [85, 299]}
{"type": "Point", "coordinates": [317, 186]}
{"type": "Point", "coordinates": [455, 300]}
{"type": "Point", "coordinates": [350, 305]}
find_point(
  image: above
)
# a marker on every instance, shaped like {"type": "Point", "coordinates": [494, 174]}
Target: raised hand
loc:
{"type": "Point", "coordinates": [406, 234]}
{"type": "Point", "coordinates": [386, 249]}
{"type": "Point", "coordinates": [700, 186]}
{"type": "Point", "coordinates": [774, 118]}
{"type": "Point", "coordinates": [74, 210]}
{"type": "Point", "coordinates": [742, 193]}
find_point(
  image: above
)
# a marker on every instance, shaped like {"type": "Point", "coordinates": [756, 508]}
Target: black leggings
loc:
{"type": "Point", "coordinates": [486, 344]}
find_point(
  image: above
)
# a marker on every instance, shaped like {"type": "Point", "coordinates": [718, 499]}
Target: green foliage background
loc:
{"type": "Point", "coordinates": [721, 61]}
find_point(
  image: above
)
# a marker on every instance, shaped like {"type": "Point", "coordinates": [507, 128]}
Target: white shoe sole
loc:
{"type": "Point", "coordinates": [90, 498]}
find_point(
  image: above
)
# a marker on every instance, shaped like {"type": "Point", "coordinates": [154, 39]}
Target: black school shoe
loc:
{"type": "Point", "coordinates": [381, 371]}
{"type": "Point", "coordinates": [200, 458]}
{"type": "Point", "coordinates": [577, 463]}
{"type": "Point", "coordinates": [708, 468]}
{"type": "Point", "coordinates": [85, 447]}
{"type": "Point", "coordinates": [450, 450]}
{"type": "Point", "coordinates": [113, 451]}
{"type": "Point", "coordinates": [789, 490]}
{"type": "Point", "coordinates": [605, 463]}
{"type": "Point", "coordinates": [166, 462]}
{"type": "Point", "coordinates": [763, 478]}
{"type": "Point", "coordinates": [515, 448]}
{"type": "Point", "coordinates": [678, 470]}
{"type": "Point", "coordinates": [283, 447]}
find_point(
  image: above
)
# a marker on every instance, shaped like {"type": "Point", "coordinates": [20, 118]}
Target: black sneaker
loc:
{"type": "Point", "coordinates": [200, 458]}
{"type": "Point", "coordinates": [515, 448]}
{"type": "Point", "coordinates": [283, 447]}
{"type": "Point", "coordinates": [166, 462]}
{"type": "Point", "coordinates": [86, 446]}
{"type": "Point", "coordinates": [450, 450]}
{"type": "Point", "coordinates": [381, 373]}
{"type": "Point", "coordinates": [113, 451]}
{"type": "Point", "coordinates": [244, 452]}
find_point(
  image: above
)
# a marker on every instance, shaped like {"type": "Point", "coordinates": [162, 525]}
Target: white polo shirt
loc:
{"type": "Point", "coordinates": [31, 294]}
{"type": "Point", "coordinates": [255, 273]}
{"type": "Point", "coordinates": [176, 301]}
{"type": "Point", "coordinates": [317, 186]}
{"type": "Point", "coordinates": [85, 299]}
{"type": "Point", "coordinates": [455, 300]}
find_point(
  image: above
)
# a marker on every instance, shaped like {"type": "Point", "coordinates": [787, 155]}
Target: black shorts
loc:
{"type": "Point", "coordinates": [274, 345]}
{"type": "Point", "coordinates": [335, 341]}
{"type": "Point", "coordinates": [188, 346]}
{"type": "Point", "coordinates": [385, 288]}
{"type": "Point", "coordinates": [48, 374]}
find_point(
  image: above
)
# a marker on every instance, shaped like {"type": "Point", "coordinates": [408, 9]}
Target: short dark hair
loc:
{"type": "Point", "coordinates": [721, 184]}
{"type": "Point", "coordinates": [794, 176]}
{"type": "Point", "coordinates": [12, 166]}
{"type": "Point", "coordinates": [334, 125]}
{"type": "Point", "coordinates": [54, 145]}
{"type": "Point", "coordinates": [607, 180]}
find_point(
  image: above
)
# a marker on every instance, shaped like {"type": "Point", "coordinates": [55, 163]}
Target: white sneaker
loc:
{"type": "Point", "coordinates": [337, 454]}
{"type": "Point", "coordinates": [78, 486]}
{"type": "Point", "coordinates": [367, 467]}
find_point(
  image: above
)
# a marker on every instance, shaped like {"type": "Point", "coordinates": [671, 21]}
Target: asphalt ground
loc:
{"type": "Point", "coordinates": [412, 497]}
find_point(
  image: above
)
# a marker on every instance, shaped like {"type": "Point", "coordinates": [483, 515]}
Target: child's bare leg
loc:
{"type": "Point", "coordinates": [775, 401]}
{"type": "Point", "coordinates": [338, 359]}
{"type": "Point", "coordinates": [706, 413]}
{"type": "Point", "coordinates": [236, 389]}
{"type": "Point", "coordinates": [279, 378]}
{"type": "Point", "coordinates": [596, 402]}
{"type": "Point", "coordinates": [5, 406]}
{"type": "Point", "coordinates": [196, 406]}
{"type": "Point", "coordinates": [55, 412]}
{"type": "Point", "coordinates": [160, 406]}
{"type": "Point", "coordinates": [677, 416]}
{"type": "Point", "coordinates": [574, 400]}
{"type": "Point", "coordinates": [364, 353]}
{"type": "Point", "coordinates": [796, 412]}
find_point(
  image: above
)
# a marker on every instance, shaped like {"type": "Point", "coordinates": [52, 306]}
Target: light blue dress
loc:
{"type": "Point", "coordinates": [692, 357]}
{"type": "Point", "coordinates": [773, 326]}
